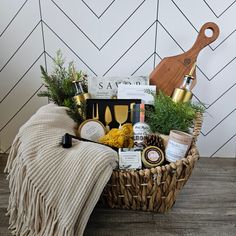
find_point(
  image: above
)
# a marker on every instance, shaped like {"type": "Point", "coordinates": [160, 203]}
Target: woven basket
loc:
{"type": "Point", "coordinates": [152, 189]}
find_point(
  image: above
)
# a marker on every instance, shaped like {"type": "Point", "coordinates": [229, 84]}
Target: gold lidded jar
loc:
{"type": "Point", "coordinates": [152, 156]}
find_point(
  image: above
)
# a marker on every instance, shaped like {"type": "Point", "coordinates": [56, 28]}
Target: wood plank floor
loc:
{"type": "Point", "coordinates": [206, 206]}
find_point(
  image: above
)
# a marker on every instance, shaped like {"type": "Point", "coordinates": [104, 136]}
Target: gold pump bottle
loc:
{"type": "Point", "coordinates": [80, 95]}
{"type": "Point", "coordinates": [183, 93]}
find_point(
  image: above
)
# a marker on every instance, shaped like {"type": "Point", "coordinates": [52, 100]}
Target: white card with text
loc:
{"type": "Point", "coordinates": [144, 92]}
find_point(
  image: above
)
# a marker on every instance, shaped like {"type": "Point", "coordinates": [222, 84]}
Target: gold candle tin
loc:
{"type": "Point", "coordinates": [92, 130]}
{"type": "Point", "coordinates": [152, 156]}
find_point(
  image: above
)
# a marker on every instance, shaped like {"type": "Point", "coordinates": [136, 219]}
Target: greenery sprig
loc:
{"type": "Point", "coordinates": [60, 88]}
{"type": "Point", "coordinates": [167, 115]}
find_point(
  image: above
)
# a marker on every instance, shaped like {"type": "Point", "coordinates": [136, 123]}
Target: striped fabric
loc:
{"type": "Point", "coordinates": [54, 190]}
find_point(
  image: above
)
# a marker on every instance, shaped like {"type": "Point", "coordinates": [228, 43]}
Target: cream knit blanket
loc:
{"type": "Point", "coordinates": [54, 190]}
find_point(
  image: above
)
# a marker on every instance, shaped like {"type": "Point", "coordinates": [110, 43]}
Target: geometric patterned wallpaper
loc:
{"type": "Point", "coordinates": [117, 37]}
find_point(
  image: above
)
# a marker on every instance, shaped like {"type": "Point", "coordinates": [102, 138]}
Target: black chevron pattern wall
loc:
{"type": "Point", "coordinates": [117, 37]}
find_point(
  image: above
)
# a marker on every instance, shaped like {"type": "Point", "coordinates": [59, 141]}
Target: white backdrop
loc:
{"type": "Point", "coordinates": [117, 37]}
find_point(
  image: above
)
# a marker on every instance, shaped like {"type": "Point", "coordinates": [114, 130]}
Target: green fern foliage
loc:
{"type": "Point", "coordinates": [60, 89]}
{"type": "Point", "coordinates": [167, 115]}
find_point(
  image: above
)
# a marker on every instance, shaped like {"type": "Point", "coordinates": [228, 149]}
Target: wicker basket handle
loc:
{"type": "Point", "coordinates": [197, 126]}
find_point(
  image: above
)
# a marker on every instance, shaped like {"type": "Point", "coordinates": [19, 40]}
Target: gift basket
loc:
{"type": "Point", "coordinates": [150, 121]}
{"type": "Point", "coordinates": [152, 189]}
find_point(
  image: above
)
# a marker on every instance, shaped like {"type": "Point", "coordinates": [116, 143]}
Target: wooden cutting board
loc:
{"type": "Point", "coordinates": [169, 73]}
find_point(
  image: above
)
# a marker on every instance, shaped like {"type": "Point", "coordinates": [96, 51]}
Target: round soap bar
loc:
{"type": "Point", "coordinates": [92, 130]}
{"type": "Point", "coordinates": [152, 156]}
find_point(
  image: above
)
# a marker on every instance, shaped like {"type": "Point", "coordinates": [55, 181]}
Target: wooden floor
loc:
{"type": "Point", "coordinates": [206, 206]}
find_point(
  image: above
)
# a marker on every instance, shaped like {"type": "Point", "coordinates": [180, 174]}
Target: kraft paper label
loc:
{"type": "Point", "coordinates": [175, 151]}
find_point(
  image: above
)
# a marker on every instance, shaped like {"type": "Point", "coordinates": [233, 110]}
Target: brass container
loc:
{"type": "Point", "coordinates": [81, 98]}
{"type": "Point", "coordinates": [188, 96]}
{"type": "Point", "coordinates": [178, 95]}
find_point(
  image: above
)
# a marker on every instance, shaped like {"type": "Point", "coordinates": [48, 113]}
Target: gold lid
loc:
{"type": "Point", "coordinates": [152, 156]}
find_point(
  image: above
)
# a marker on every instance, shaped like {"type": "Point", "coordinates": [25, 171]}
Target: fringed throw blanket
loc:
{"type": "Point", "coordinates": [54, 190]}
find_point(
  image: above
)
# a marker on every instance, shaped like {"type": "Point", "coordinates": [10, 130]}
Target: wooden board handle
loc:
{"type": "Point", "coordinates": [203, 40]}
{"type": "Point", "coordinates": [169, 73]}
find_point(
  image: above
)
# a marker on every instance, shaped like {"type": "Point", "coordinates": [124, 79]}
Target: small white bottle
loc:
{"type": "Point", "coordinates": [141, 129]}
